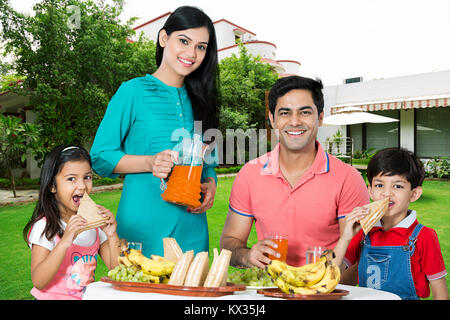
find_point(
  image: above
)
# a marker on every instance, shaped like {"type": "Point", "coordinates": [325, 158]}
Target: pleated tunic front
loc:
{"type": "Point", "coordinates": [140, 120]}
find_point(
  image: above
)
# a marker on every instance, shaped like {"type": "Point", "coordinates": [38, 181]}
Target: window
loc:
{"type": "Point", "coordinates": [383, 135]}
{"type": "Point", "coordinates": [353, 80]}
{"type": "Point", "coordinates": [432, 132]}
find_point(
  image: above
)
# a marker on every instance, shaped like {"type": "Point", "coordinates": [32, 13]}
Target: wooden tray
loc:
{"type": "Point", "coordinates": [230, 288]}
{"type": "Point", "coordinates": [277, 293]}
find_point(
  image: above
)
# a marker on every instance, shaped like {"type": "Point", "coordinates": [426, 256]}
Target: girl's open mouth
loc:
{"type": "Point", "coordinates": [77, 199]}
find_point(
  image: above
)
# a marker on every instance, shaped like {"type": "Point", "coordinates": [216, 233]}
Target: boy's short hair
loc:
{"type": "Point", "coordinates": [286, 84]}
{"type": "Point", "coordinates": [397, 161]}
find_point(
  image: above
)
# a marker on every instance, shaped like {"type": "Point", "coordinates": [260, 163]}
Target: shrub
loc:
{"type": "Point", "coordinates": [437, 167]}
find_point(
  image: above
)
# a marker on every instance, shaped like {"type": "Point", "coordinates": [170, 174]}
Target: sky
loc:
{"type": "Point", "coordinates": [332, 39]}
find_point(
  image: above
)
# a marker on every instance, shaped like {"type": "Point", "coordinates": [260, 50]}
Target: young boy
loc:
{"type": "Point", "coordinates": [398, 255]}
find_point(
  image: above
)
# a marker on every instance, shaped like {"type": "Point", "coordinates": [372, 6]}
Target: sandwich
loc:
{"type": "Point", "coordinates": [88, 210]}
{"type": "Point", "coordinates": [180, 270]}
{"type": "Point", "coordinates": [198, 270]}
{"type": "Point", "coordinates": [377, 210]}
{"type": "Point", "coordinates": [218, 272]}
{"type": "Point", "coordinates": [172, 250]}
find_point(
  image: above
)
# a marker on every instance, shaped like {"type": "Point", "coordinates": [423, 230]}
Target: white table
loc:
{"type": "Point", "coordinates": [103, 291]}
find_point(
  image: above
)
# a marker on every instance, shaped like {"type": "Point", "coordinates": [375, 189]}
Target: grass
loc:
{"type": "Point", "coordinates": [15, 281]}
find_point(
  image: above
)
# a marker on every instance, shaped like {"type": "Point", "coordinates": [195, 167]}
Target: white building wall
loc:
{"type": "Point", "coordinates": [329, 96]}
{"type": "Point", "coordinates": [432, 83]}
{"type": "Point", "coordinates": [228, 52]}
{"type": "Point", "coordinates": [151, 30]}
{"type": "Point", "coordinates": [224, 34]}
{"type": "Point", "coordinates": [265, 50]}
{"type": "Point", "coordinates": [290, 67]}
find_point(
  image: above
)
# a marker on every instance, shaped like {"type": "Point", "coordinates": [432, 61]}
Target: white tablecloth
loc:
{"type": "Point", "coordinates": [103, 291]}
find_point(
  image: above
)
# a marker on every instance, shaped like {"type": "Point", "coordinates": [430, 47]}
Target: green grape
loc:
{"type": "Point", "coordinates": [131, 270]}
{"type": "Point", "coordinates": [253, 276]}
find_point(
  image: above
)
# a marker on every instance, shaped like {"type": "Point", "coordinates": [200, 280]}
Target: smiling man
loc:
{"type": "Point", "coordinates": [297, 189]}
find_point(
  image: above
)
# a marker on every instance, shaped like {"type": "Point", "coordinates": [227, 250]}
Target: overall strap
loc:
{"type": "Point", "coordinates": [411, 243]}
{"type": "Point", "coordinates": [365, 240]}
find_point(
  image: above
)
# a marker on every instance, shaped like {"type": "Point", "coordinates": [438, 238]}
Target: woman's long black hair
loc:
{"type": "Point", "coordinates": [201, 84]}
{"type": "Point", "coordinates": [47, 206]}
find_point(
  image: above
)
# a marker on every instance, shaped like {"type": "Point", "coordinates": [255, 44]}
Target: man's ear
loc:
{"type": "Point", "coordinates": [162, 38]}
{"type": "Point", "coordinates": [416, 193]}
{"type": "Point", "coordinates": [271, 119]}
{"type": "Point", "coordinates": [320, 119]}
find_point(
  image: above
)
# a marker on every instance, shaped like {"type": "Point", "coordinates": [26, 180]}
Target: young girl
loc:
{"type": "Point", "coordinates": [135, 135]}
{"type": "Point", "coordinates": [63, 260]}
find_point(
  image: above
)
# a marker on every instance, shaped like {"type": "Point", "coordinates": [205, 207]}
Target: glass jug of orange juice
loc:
{"type": "Point", "coordinates": [183, 187]}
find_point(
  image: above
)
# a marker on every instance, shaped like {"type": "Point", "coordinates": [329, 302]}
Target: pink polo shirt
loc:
{"type": "Point", "coordinates": [308, 213]}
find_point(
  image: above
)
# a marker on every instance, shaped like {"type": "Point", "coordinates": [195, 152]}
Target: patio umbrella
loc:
{"type": "Point", "coordinates": [354, 115]}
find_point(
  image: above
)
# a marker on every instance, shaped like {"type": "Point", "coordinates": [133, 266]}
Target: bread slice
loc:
{"type": "Point", "coordinates": [88, 210]}
{"type": "Point", "coordinates": [181, 268]}
{"type": "Point", "coordinates": [172, 250]}
{"type": "Point", "coordinates": [377, 210]}
{"type": "Point", "coordinates": [219, 269]}
{"type": "Point", "coordinates": [198, 270]}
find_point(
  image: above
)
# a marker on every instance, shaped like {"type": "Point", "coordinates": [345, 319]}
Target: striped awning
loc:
{"type": "Point", "coordinates": [435, 101]}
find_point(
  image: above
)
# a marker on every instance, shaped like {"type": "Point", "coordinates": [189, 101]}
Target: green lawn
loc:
{"type": "Point", "coordinates": [15, 283]}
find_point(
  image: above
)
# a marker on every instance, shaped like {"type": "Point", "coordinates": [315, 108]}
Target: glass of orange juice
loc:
{"type": "Point", "coordinates": [282, 241]}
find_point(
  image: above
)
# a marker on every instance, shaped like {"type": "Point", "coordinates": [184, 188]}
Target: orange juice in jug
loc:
{"type": "Point", "coordinates": [183, 187]}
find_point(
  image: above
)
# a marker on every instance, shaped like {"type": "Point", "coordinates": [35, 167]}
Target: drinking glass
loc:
{"type": "Point", "coordinates": [282, 241]}
{"type": "Point", "coordinates": [313, 253]}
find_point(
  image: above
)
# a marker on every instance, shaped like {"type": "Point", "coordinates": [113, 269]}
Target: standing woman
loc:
{"type": "Point", "coordinates": [134, 137]}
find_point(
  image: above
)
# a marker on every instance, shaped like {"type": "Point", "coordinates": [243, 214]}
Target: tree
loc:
{"type": "Point", "coordinates": [73, 54]}
{"type": "Point", "coordinates": [244, 79]}
{"type": "Point", "coordinates": [17, 138]}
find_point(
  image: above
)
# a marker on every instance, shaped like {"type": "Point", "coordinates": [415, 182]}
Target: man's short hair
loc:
{"type": "Point", "coordinates": [286, 84]}
{"type": "Point", "coordinates": [396, 161]}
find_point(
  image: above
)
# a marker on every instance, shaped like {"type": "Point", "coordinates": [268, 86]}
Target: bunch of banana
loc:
{"type": "Point", "coordinates": [320, 277]}
{"type": "Point", "coordinates": [156, 266]}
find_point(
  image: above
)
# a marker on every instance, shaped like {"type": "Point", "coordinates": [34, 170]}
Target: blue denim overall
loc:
{"type": "Point", "coordinates": [388, 268]}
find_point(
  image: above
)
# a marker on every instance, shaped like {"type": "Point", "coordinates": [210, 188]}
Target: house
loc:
{"type": "Point", "coordinates": [228, 36]}
{"type": "Point", "coordinates": [17, 105]}
{"type": "Point", "coordinates": [421, 103]}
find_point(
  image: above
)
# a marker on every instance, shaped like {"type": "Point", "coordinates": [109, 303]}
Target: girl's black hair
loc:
{"type": "Point", "coordinates": [201, 84]}
{"type": "Point", "coordinates": [396, 161]}
{"type": "Point", "coordinates": [47, 206]}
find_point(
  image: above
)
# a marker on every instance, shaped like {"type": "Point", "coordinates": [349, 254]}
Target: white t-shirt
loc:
{"type": "Point", "coordinates": [84, 239]}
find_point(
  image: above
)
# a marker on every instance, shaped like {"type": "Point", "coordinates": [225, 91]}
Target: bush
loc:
{"type": "Point", "coordinates": [21, 184]}
{"type": "Point", "coordinates": [437, 167]}
{"type": "Point", "coordinates": [364, 154]}
{"type": "Point", "coordinates": [27, 183]}
{"type": "Point", "coordinates": [228, 170]}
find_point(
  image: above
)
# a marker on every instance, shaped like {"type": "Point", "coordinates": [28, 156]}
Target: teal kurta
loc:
{"type": "Point", "coordinates": [140, 120]}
